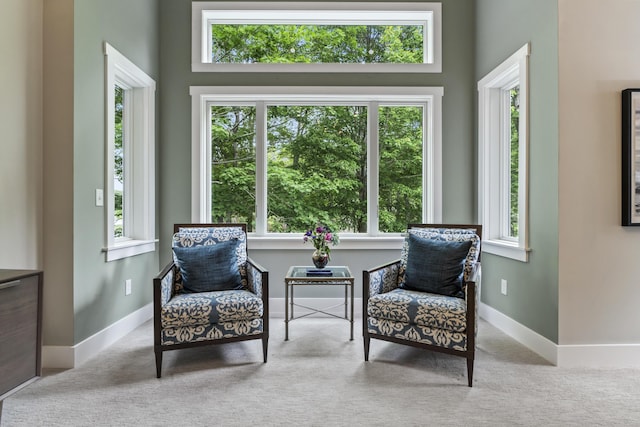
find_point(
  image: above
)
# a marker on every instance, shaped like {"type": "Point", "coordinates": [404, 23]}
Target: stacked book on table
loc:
{"type": "Point", "coordinates": [319, 272]}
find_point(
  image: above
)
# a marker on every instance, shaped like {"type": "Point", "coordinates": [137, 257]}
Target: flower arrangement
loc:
{"type": "Point", "coordinates": [321, 236]}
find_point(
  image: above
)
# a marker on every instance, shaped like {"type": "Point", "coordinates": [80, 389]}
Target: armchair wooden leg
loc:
{"type": "Point", "coordinates": [367, 341]}
{"type": "Point", "coordinates": [265, 342]}
{"type": "Point", "coordinates": [470, 371]}
{"type": "Point", "coordinates": [158, 363]}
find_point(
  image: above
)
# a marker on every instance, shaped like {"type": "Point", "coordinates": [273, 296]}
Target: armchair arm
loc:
{"type": "Point", "coordinates": [258, 283]}
{"type": "Point", "coordinates": [472, 296]}
{"type": "Point", "coordinates": [378, 280]}
{"type": "Point", "coordinates": [381, 279]}
{"type": "Point", "coordinates": [163, 285]}
{"type": "Point", "coordinates": [476, 272]}
{"type": "Point", "coordinates": [257, 278]}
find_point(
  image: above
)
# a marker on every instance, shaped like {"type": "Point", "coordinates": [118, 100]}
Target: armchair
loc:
{"type": "Point", "coordinates": [410, 302]}
{"type": "Point", "coordinates": [211, 292]}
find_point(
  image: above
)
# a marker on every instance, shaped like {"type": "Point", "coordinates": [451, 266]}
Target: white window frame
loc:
{"type": "Point", "coordinates": [429, 15]}
{"type": "Point", "coordinates": [494, 141]}
{"type": "Point", "coordinates": [202, 97]}
{"type": "Point", "coordinates": [139, 167]}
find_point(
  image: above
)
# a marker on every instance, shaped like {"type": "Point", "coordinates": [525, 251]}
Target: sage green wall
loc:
{"type": "Point", "coordinates": [98, 286]}
{"type": "Point", "coordinates": [457, 78]}
{"type": "Point", "coordinates": [503, 26]}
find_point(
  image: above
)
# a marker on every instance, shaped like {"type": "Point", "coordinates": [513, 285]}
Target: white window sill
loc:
{"type": "Point", "coordinates": [129, 248]}
{"type": "Point", "coordinates": [506, 249]}
{"type": "Point", "coordinates": [292, 242]}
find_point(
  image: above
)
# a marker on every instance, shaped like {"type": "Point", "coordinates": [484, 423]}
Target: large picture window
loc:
{"type": "Point", "coordinates": [364, 161]}
{"type": "Point", "coordinates": [316, 37]}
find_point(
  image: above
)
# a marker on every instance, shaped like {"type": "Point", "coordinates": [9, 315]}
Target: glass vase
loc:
{"type": "Point", "coordinates": [319, 258]}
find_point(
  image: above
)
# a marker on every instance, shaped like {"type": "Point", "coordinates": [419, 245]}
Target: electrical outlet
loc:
{"type": "Point", "coordinates": [127, 287]}
{"type": "Point", "coordinates": [503, 286]}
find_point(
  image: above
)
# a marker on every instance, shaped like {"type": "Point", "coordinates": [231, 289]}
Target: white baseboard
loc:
{"type": "Point", "coordinates": [536, 342]}
{"type": "Point", "coordinates": [599, 355]}
{"type": "Point", "coordinates": [64, 357]}
{"type": "Point", "coordinates": [566, 356]}
{"type": "Point", "coordinates": [276, 307]}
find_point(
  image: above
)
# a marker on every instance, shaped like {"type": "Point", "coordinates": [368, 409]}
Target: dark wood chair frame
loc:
{"type": "Point", "coordinates": [157, 307]}
{"type": "Point", "coordinates": [471, 289]}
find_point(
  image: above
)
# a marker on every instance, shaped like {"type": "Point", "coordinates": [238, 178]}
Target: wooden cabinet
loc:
{"type": "Point", "coordinates": [20, 328]}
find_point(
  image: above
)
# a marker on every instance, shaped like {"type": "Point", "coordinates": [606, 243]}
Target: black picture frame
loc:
{"type": "Point", "coordinates": [631, 157]}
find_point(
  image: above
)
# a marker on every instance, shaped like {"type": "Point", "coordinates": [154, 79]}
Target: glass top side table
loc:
{"type": "Point", "coordinates": [298, 276]}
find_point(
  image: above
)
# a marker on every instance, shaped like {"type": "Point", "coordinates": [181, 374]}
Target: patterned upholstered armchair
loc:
{"type": "Point", "coordinates": [211, 292]}
{"type": "Point", "coordinates": [429, 297]}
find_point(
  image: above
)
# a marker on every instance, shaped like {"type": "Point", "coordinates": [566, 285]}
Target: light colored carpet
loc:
{"type": "Point", "coordinates": [319, 378]}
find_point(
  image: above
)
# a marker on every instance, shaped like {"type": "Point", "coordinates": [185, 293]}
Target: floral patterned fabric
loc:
{"type": "Point", "coordinates": [384, 279]}
{"type": "Point", "coordinates": [204, 308]}
{"type": "Point", "coordinates": [189, 334]}
{"type": "Point", "coordinates": [166, 286]}
{"type": "Point", "coordinates": [418, 333]}
{"type": "Point", "coordinates": [254, 280]}
{"type": "Point", "coordinates": [420, 308]}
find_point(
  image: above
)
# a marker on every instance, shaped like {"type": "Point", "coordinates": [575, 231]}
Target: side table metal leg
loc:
{"type": "Point", "coordinates": [286, 311]}
{"type": "Point", "coordinates": [345, 301]}
{"type": "Point", "coordinates": [352, 286]}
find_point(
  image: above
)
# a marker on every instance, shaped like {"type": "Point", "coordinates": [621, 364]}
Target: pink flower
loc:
{"type": "Point", "coordinates": [321, 236]}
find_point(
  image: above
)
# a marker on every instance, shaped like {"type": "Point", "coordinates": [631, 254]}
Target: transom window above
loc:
{"type": "Point", "coordinates": [316, 37]}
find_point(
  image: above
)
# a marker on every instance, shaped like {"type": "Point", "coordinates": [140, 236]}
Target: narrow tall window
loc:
{"type": "Point", "coordinates": [502, 139]}
{"type": "Point", "coordinates": [130, 164]}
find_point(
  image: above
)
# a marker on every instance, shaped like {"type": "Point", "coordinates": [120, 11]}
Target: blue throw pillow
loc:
{"type": "Point", "coordinates": [206, 268]}
{"type": "Point", "coordinates": [436, 266]}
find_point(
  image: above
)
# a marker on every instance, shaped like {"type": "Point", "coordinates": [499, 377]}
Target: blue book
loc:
{"type": "Point", "coordinates": [314, 272]}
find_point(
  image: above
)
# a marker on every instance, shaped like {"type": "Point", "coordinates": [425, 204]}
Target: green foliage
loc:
{"type": "Point", "coordinates": [118, 148]}
{"type": "Point", "coordinates": [118, 228]}
{"type": "Point", "coordinates": [400, 177]}
{"type": "Point", "coordinates": [317, 167]}
{"type": "Point", "coordinates": [118, 161]}
{"type": "Point", "coordinates": [514, 96]}
{"type": "Point", "coordinates": [233, 167]}
{"type": "Point", "coordinates": [317, 44]}
{"type": "Point", "coordinates": [317, 155]}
